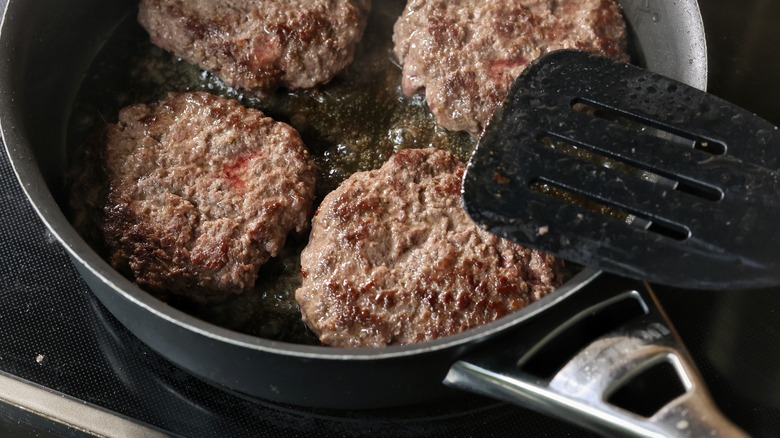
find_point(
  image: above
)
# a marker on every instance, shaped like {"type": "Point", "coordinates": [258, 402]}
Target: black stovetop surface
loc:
{"type": "Point", "coordinates": [56, 334]}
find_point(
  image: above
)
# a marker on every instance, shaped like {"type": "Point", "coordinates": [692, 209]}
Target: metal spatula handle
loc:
{"type": "Point", "coordinates": [580, 390]}
{"type": "Point", "coordinates": [612, 166]}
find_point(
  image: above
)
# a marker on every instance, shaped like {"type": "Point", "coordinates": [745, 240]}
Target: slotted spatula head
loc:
{"type": "Point", "coordinates": [609, 165]}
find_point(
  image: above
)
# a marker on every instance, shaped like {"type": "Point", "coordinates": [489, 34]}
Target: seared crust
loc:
{"type": "Point", "coordinates": [467, 53]}
{"type": "Point", "coordinates": [262, 44]}
{"type": "Point", "coordinates": [394, 259]}
{"type": "Point", "coordinates": [202, 191]}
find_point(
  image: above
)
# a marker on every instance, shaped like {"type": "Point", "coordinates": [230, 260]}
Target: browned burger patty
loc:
{"type": "Point", "coordinates": [467, 53]}
{"type": "Point", "coordinates": [202, 191]}
{"type": "Point", "coordinates": [261, 44]}
{"type": "Point", "coordinates": [394, 259]}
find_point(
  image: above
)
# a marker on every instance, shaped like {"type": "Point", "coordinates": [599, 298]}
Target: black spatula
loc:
{"type": "Point", "coordinates": [611, 166]}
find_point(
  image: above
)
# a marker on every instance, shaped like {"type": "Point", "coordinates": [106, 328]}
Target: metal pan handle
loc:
{"type": "Point", "coordinates": [625, 338]}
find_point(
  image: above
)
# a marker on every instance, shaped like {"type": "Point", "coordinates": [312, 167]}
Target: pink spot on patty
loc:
{"type": "Point", "coordinates": [236, 171]}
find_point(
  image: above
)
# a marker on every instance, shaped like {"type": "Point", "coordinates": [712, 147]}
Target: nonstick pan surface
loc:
{"type": "Point", "coordinates": [46, 50]}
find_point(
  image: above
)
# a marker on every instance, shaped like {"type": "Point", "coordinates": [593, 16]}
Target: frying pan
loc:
{"type": "Point", "coordinates": [46, 46]}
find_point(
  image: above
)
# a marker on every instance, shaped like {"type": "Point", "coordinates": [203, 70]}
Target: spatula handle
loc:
{"type": "Point", "coordinates": [579, 392]}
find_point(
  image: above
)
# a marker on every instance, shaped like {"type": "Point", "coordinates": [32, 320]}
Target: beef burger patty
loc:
{"type": "Point", "coordinates": [394, 259]}
{"type": "Point", "coordinates": [201, 192]}
{"type": "Point", "coordinates": [262, 44]}
{"type": "Point", "coordinates": [467, 53]}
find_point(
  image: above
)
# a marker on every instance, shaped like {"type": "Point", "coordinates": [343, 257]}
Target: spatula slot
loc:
{"type": "Point", "coordinates": [643, 127]}
{"type": "Point", "coordinates": [592, 156]}
{"type": "Point", "coordinates": [624, 165]}
{"type": "Point", "coordinates": [608, 210]}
